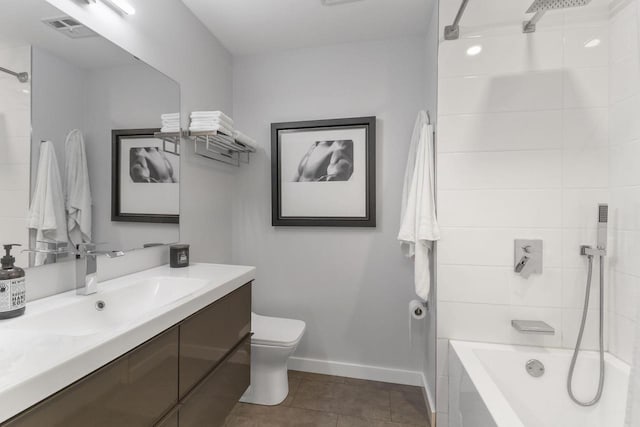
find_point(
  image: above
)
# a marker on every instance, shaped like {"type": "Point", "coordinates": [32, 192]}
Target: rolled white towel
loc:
{"type": "Point", "coordinates": [245, 140]}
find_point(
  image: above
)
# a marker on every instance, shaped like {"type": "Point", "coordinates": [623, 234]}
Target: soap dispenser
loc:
{"type": "Point", "coordinates": [12, 286]}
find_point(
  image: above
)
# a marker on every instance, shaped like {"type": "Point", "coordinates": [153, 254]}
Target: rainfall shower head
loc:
{"type": "Point", "coordinates": [544, 5]}
{"type": "Point", "coordinates": [539, 7]}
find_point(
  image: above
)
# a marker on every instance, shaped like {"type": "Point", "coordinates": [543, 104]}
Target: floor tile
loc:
{"type": "Point", "coordinates": [318, 396]}
{"type": "Point", "coordinates": [294, 383]}
{"type": "Point", "coordinates": [346, 421]}
{"type": "Point", "coordinates": [408, 407]}
{"type": "Point", "coordinates": [362, 402]}
{"type": "Point", "coordinates": [279, 416]}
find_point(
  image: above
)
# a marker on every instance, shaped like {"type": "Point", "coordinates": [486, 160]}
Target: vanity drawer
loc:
{"type": "Point", "coordinates": [211, 401]}
{"type": "Point", "coordinates": [134, 390]}
{"type": "Point", "coordinates": [210, 334]}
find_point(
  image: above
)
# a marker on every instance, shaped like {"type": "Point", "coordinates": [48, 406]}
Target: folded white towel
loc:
{"type": "Point", "coordinates": [244, 139]}
{"type": "Point", "coordinates": [170, 129]}
{"type": "Point", "coordinates": [211, 114]}
{"type": "Point", "coordinates": [214, 128]}
{"type": "Point", "coordinates": [211, 122]}
{"type": "Point", "coordinates": [167, 116]}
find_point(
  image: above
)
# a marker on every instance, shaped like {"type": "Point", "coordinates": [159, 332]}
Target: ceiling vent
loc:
{"type": "Point", "coordinates": [69, 27]}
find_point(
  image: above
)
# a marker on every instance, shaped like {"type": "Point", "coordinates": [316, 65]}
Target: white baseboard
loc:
{"type": "Point", "coordinates": [352, 370]}
{"type": "Point", "coordinates": [431, 403]}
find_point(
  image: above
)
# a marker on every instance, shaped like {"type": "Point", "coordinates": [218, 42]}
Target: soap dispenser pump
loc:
{"type": "Point", "coordinates": [12, 286]}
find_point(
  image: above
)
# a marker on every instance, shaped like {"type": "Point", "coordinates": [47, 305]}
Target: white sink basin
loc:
{"type": "Point", "coordinates": [109, 309]}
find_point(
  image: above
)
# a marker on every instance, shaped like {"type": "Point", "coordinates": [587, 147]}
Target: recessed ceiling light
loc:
{"type": "Point", "coordinates": [592, 43]}
{"type": "Point", "coordinates": [474, 50]}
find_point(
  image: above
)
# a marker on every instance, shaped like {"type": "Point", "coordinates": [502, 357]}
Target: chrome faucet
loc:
{"type": "Point", "coordinates": [87, 267]}
{"type": "Point", "coordinates": [86, 263]}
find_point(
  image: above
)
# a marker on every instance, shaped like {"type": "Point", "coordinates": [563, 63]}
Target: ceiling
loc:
{"type": "Point", "coordinates": [256, 26]}
{"type": "Point", "coordinates": [21, 22]}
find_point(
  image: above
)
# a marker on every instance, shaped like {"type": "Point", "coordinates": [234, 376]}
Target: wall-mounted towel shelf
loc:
{"type": "Point", "coordinates": [170, 142]}
{"type": "Point", "coordinates": [218, 146]}
{"type": "Point", "coordinates": [212, 145]}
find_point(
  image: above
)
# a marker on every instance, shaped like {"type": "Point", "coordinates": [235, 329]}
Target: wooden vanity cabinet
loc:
{"type": "Point", "coordinates": [134, 390]}
{"type": "Point", "coordinates": [190, 375]}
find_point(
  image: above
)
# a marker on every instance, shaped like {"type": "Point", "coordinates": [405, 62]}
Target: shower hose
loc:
{"type": "Point", "coordinates": [576, 351]}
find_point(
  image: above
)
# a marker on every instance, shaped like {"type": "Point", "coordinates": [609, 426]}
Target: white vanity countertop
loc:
{"type": "Point", "coordinates": [63, 338]}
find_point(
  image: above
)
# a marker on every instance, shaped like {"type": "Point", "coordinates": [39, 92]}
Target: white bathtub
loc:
{"type": "Point", "coordinates": [489, 387]}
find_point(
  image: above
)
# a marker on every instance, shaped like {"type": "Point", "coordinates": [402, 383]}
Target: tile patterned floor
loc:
{"type": "Point", "coordinates": [322, 400]}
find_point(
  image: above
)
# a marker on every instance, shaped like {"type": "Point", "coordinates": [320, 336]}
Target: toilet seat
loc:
{"type": "Point", "coordinates": [275, 331]}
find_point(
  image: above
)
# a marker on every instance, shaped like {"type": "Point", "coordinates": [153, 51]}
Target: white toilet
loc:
{"type": "Point", "coordinates": [273, 341]}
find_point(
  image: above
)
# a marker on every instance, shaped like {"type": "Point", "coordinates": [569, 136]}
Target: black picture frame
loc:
{"type": "Point", "coordinates": [277, 129]}
{"type": "Point", "coordinates": [116, 214]}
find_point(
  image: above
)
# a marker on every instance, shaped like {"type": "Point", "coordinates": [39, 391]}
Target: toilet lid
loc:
{"type": "Point", "coordinates": [276, 331]}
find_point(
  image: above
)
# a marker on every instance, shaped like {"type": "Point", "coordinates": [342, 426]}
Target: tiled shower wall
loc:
{"type": "Point", "coordinates": [624, 168]}
{"type": "Point", "coordinates": [523, 129]}
{"type": "Point", "coordinates": [15, 137]}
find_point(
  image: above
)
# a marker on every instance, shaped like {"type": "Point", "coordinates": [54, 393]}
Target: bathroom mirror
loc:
{"type": "Point", "coordinates": [79, 160]}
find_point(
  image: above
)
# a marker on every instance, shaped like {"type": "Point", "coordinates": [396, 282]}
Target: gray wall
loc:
{"type": "Point", "coordinates": [351, 286]}
{"type": "Point", "coordinates": [125, 97]}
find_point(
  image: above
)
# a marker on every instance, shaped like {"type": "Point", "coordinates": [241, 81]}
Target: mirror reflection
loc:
{"type": "Point", "coordinates": [79, 161]}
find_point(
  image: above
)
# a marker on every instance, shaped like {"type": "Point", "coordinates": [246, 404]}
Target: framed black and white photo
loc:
{"type": "Point", "coordinates": [145, 178]}
{"type": "Point", "coordinates": [323, 173]}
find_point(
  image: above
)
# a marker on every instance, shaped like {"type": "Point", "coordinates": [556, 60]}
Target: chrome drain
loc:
{"type": "Point", "coordinates": [100, 305]}
{"type": "Point", "coordinates": [535, 368]}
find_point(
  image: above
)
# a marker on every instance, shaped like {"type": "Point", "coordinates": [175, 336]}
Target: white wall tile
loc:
{"type": "Point", "coordinates": [586, 127]}
{"type": "Point", "coordinates": [500, 170]}
{"type": "Point", "coordinates": [624, 254]}
{"type": "Point", "coordinates": [586, 87]}
{"type": "Point", "coordinates": [623, 294]}
{"type": "Point", "coordinates": [505, 54]}
{"type": "Point", "coordinates": [500, 208]}
{"type": "Point", "coordinates": [14, 203]}
{"type": "Point", "coordinates": [623, 34]}
{"type": "Point", "coordinates": [624, 209]}
{"type": "Point", "coordinates": [464, 321]}
{"type": "Point", "coordinates": [14, 177]}
{"type": "Point", "coordinates": [623, 78]}
{"type": "Point", "coordinates": [539, 290]}
{"type": "Point", "coordinates": [509, 92]}
{"type": "Point", "coordinates": [494, 247]}
{"type": "Point", "coordinates": [586, 167]}
{"type": "Point", "coordinates": [580, 206]}
{"type": "Point", "coordinates": [574, 287]}
{"type": "Point", "coordinates": [586, 46]}
{"type": "Point", "coordinates": [571, 320]}
{"type": "Point", "coordinates": [479, 284]}
{"type": "Point", "coordinates": [624, 118]}
{"type": "Point", "coordinates": [527, 130]}
{"type": "Point", "coordinates": [624, 170]}
{"type": "Point", "coordinates": [622, 336]}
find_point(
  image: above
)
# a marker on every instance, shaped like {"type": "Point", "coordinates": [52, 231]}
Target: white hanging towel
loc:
{"type": "Point", "coordinates": [419, 225]}
{"type": "Point", "coordinates": [46, 214]}
{"type": "Point", "coordinates": [78, 197]}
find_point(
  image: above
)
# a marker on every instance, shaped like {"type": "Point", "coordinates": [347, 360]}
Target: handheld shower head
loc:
{"type": "Point", "coordinates": [603, 220]}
